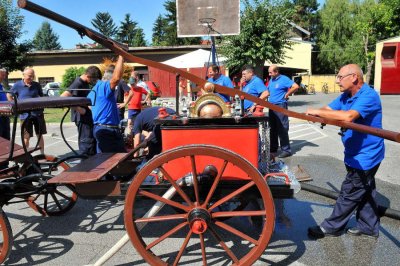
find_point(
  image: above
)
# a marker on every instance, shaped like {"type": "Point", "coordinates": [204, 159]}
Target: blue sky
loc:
{"type": "Point", "coordinates": [144, 12]}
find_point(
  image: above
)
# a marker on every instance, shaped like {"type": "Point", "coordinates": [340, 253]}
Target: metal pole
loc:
{"type": "Point", "coordinates": [177, 96]}
{"type": "Point", "coordinates": [153, 211]}
{"type": "Point", "coordinates": [213, 50]}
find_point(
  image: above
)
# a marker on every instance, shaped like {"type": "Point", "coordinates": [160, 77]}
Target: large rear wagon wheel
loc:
{"type": "Point", "coordinates": [198, 235]}
{"type": "Point", "coordinates": [6, 237]}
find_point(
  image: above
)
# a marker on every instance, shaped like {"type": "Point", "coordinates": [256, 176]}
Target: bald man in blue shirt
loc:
{"type": "Point", "coordinates": [279, 88]}
{"type": "Point", "coordinates": [363, 153]}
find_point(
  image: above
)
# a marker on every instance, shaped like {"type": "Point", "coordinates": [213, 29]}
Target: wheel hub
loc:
{"type": "Point", "coordinates": [199, 220]}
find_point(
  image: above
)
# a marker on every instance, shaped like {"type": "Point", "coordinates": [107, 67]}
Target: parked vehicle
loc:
{"type": "Point", "coordinates": [52, 89]}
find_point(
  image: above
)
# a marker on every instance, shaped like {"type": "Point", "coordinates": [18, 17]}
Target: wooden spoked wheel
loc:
{"type": "Point", "coordinates": [52, 199]}
{"type": "Point", "coordinates": [6, 237]}
{"type": "Point", "coordinates": [198, 233]}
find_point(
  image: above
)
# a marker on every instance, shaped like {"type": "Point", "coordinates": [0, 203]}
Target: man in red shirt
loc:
{"type": "Point", "coordinates": [135, 100]}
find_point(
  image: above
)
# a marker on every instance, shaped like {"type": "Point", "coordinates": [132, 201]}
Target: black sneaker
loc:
{"type": "Point", "coordinates": [357, 232]}
{"type": "Point", "coordinates": [318, 232]}
{"type": "Point", "coordinates": [284, 154]}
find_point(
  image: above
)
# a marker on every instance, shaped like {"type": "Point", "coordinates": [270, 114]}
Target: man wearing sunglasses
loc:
{"type": "Point", "coordinates": [363, 153]}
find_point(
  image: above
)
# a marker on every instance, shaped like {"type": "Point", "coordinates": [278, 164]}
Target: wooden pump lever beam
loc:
{"type": "Point", "coordinates": [123, 51]}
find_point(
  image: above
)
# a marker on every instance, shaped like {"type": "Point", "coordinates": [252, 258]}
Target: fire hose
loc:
{"type": "Point", "coordinates": [383, 211]}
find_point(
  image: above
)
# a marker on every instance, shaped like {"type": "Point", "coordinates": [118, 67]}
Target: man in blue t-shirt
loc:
{"type": "Point", "coordinates": [253, 85]}
{"type": "Point", "coordinates": [279, 88]}
{"type": "Point", "coordinates": [363, 154]}
{"type": "Point", "coordinates": [105, 111]}
{"type": "Point", "coordinates": [215, 76]}
{"type": "Point", "coordinates": [26, 89]}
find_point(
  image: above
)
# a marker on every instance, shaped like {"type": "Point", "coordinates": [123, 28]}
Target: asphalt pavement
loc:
{"type": "Point", "coordinates": [91, 227]}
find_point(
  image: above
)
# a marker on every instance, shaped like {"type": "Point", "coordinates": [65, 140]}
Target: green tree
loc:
{"type": "Point", "coordinates": [373, 22]}
{"type": "Point", "coordinates": [45, 38]}
{"type": "Point", "coordinates": [139, 40]}
{"type": "Point", "coordinates": [349, 31]}
{"type": "Point", "coordinates": [394, 7]}
{"type": "Point", "coordinates": [13, 55]}
{"type": "Point", "coordinates": [305, 14]}
{"type": "Point", "coordinates": [169, 27]}
{"type": "Point", "coordinates": [335, 35]}
{"type": "Point", "coordinates": [159, 34]}
{"type": "Point", "coordinates": [104, 23]}
{"type": "Point", "coordinates": [264, 34]}
{"type": "Point", "coordinates": [127, 30]}
{"type": "Point", "coordinates": [70, 75]}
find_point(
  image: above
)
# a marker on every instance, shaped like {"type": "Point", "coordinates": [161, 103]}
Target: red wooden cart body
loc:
{"type": "Point", "coordinates": [241, 139]}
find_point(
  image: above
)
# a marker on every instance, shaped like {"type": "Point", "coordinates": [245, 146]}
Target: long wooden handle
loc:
{"type": "Point", "coordinates": [123, 51]}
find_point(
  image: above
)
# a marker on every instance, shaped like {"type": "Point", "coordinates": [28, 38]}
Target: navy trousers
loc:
{"type": "Point", "coordinates": [108, 139]}
{"type": "Point", "coordinates": [5, 127]}
{"type": "Point", "coordinates": [86, 140]}
{"type": "Point", "coordinates": [279, 128]}
{"type": "Point", "coordinates": [357, 194]}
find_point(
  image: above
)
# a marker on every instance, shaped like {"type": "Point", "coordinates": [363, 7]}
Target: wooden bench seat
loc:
{"type": "Point", "coordinates": [91, 169]}
{"type": "Point", "coordinates": [18, 153]}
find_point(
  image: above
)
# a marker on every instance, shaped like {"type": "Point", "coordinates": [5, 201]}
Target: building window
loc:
{"type": "Point", "coordinates": [44, 81]}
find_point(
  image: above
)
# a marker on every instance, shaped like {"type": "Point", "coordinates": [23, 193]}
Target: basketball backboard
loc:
{"type": "Point", "coordinates": [208, 17]}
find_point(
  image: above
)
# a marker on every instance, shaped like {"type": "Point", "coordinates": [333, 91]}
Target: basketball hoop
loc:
{"type": "Point", "coordinates": [207, 17]}
{"type": "Point", "coordinates": [206, 22]}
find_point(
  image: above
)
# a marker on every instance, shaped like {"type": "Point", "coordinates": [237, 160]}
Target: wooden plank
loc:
{"type": "Point", "coordinates": [90, 170]}
{"type": "Point", "coordinates": [301, 174]}
{"type": "Point", "coordinates": [6, 148]}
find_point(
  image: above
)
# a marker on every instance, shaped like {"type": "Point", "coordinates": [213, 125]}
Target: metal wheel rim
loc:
{"type": "Point", "coordinates": [6, 233]}
{"type": "Point", "coordinates": [197, 150]}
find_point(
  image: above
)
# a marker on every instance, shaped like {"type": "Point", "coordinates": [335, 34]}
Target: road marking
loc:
{"type": "Point", "coordinates": [312, 132]}
{"type": "Point", "coordinates": [295, 131]}
{"type": "Point", "coordinates": [305, 141]}
{"type": "Point", "coordinates": [58, 138]}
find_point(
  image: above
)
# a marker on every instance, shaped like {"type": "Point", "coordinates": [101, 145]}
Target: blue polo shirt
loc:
{"type": "Point", "coordinates": [23, 91]}
{"type": "Point", "coordinates": [223, 81]}
{"type": "Point", "coordinates": [277, 88]}
{"type": "Point", "coordinates": [362, 151]}
{"type": "Point", "coordinates": [3, 96]}
{"type": "Point", "coordinates": [255, 87]}
{"type": "Point", "coordinates": [104, 110]}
